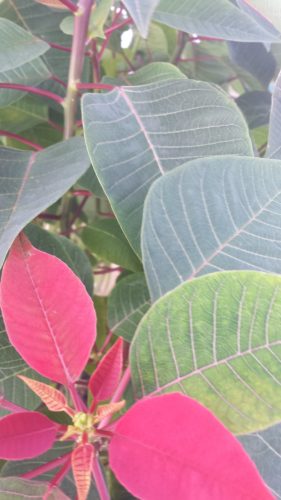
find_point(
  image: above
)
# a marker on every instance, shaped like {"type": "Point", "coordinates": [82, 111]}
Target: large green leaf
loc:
{"type": "Point", "coordinates": [271, 10]}
{"type": "Point", "coordinates": [18, 46]}
{"type": "Point", "coordinates": [127, 304]}
{"type": "Point", "coordinates": [141, 12]}
{"type": "Point", "coordinates": [64, 249]}
{"type": "Point", "coordinates": [11, 365]}
{"type": "Point", "coordinates": [107, 242]}
{"type": "Point", "coordinates": [217, 339]}
{"type": "Point", "coordinates": [219, 19]}
{"type": "Point", "coordinates": [20, 489]}
{"type": "Point", "coordinates": [211, 215]}
{"type": "Point", "coordinates": [136, 134]}
{"type": "Point", "coordinates": [264, 448]}
{"type": "Point", "coordinates": [30, 182]}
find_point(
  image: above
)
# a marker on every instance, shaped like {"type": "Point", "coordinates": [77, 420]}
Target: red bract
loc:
{"type": "Point", "coordinates": [105, 378]}
{"type": "Point", "coordinates": [49, 316]}
{"type": "Point", "coordinates": [26, 435]}
{"type": "Point", "coordinates": [172, 447]}
{"type": "Point", "coordinates": [162, 448]}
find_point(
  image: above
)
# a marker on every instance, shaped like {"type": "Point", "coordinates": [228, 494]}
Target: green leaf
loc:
{"type": "Point", "coordinates": [18, 46]}
{"type": "Point", "coordinates": [108, 242]}
{"type": "Point", "coordinates": [264, 448]}
{"type": "Point", "coordinates": [98, 18]}
{"type": "Point", "coordinates": [270, 10]}
{"type": "Point", "coordinates": [90, 181]}
{"type": "Point", "coordinates": [20, 489]}
{"type": "Point", "coordinates": [217, 339]}
{"type": "Point", "coordinates": [23, 114]}
{"type": "Point", "coordinates": [127, 304]}
{"type": "Point", "coordinates": [136, 134]}
{"type": "Point", "coordinates": [255, 106]}
{"type": "Point", "coordinates": [30, 182]}
{"type": "Point", "coordinates": [219, 19]}
{"type": "Point", "coordinates": [11, 365]}
{"type": "Point", "coordinates": [209, 215]}
{"type": "Point", "coordinates": [155, 72]}
{"type": "Point", "coordinates": [67, 25]}
{"type": "Point", "coordinates": [64, 249]}
{"type": "Point", "coordinates": [141, 12]}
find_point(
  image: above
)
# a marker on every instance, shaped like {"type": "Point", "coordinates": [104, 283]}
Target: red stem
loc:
{"type": "Point", "coordinates": [99, 480]}
{"type": "Point", "coordinates": [106, 342]}
{"type": "Point", "coordinates": [57, 479]}
{"type": "Point", "coordinates": [96, 86]}
{"type": "Point", "coordinates": [78, 211]}
{"type": "Point", "coordinates": [46, 467]}
{"type": "Point", "coordinates": [21, 139]}
{"type": "Point", "coordinates": [108, 270]}
{"type": "Point", "coordinates": [78, 403]}
{"type": "Point", "coordinates": [58, 80]}
{"type": "Point", "coordinates": [32, 90]}
{"type": "Point", "coordinates": [12, 407]}
{"type": "Point", "coordinates": [115, 27]}
{"type": "Point", "coordinates": [70, 5]}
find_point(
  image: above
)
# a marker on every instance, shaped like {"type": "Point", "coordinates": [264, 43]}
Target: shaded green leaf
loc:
{"type": "Point", "coordinates": [22, 115]}
{"type": "Point", "coordinates": [136, 134]}
{"type": "Point", "coordinates": [255, 106]}
{"type": "Point", "coordinates": [108, 242]}
{"type": "Point", "coordinates": [30, 182]}
{"type": "Point", "coordinates": [274, 139]}
{"type": "Point", "coordinates": [127, 304]}
{"type": "Point", "coordinates": [217, 339]}
{"type": "Point", "coordinates": [211, 215]}
{"type": "Point", "coordinates": [155, 72]}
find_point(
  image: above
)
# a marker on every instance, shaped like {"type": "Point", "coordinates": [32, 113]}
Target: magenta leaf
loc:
{"type": "Point", "coordinates": [26, 435]}
{"type": "Point", "coordinates": [172, 447]}
{"type": "Point", "coordinates": [105, 378]}
{"type": "Point", "coordinates": [49, 316]}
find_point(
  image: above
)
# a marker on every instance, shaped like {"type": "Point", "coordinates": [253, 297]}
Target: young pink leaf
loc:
{"type": "Point", "coordinates": [105, 378]}
{"type": "Point", "coordinates": [82, 461]}
{"type": "Point", "coordinates": [51, 397]}
{"type": "Point", "coordinates": [172, 447]}
{"type": "Point", "coordinates": [49, 316]}
{"type": "Point", "coordinates": [26, 435]}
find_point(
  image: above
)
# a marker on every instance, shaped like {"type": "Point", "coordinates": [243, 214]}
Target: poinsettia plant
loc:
{"type": "Point", "coordinates": [141, 151]}
{"type": "Point", "coordinates": [163, 446]}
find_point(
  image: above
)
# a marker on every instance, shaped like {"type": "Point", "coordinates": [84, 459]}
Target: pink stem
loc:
{"type": "Point", "coordinates": [99, 480]}
{"type": "Point", "coordinates": [32, 90]}
{"type": "Point", "coordinates": [58, 80]}
{"type": "Point", "coordinates": [21, 139]}
{"type": "Point", "coordinates": [115, 27]}
{"type": "Point", "coordinates": [106, 342]}
{"type": "Point", "coordinates": [70, 5]}
{"type": "Point", "coordinates": [78, 403]}
{"type": "Point", "coordinates": [12, 407]}
{"type": "Point", "coordinates": [57, 479]}
{"type": "Point", "coordinates": [108, 270]}
{"type": "Point", "coordinates": [117, 395]}
{"type": "Point", "coordinates": [46, 467]}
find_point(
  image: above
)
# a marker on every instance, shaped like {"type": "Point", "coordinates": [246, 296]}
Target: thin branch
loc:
{"type": "Point", "coordinates": [117, 396]}
{"type": "Point", "coordinates": [95, 86]}
{"type": "Point", "coordinates": [99, 480]}
{"type": "Point", "coordinates": [21, 139]}
{"type": "Point", "coordinates": [46, 467]}
{"type": "Point", "coordinates": [70, 5]}
{"type": "Point", "coordinates": [32, 90]}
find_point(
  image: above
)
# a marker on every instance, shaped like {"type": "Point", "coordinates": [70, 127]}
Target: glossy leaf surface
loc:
{"type": "Point", "coordinates": [106, 376]}
{"type": "Point", "coordinates": [132, 139]}
{"type": "Point", "coordinates": [217, 339]}
{"type": "Point", "coordinates": [60, 344]}
{"type": "Point", "coordinates": [167, 446]}
{"type": "Point", "coordinates": [212, 215]}
{"type": "Point", "coordinates": [25, 435]}
{"type": "Point", "coordinates": [30, 182]}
